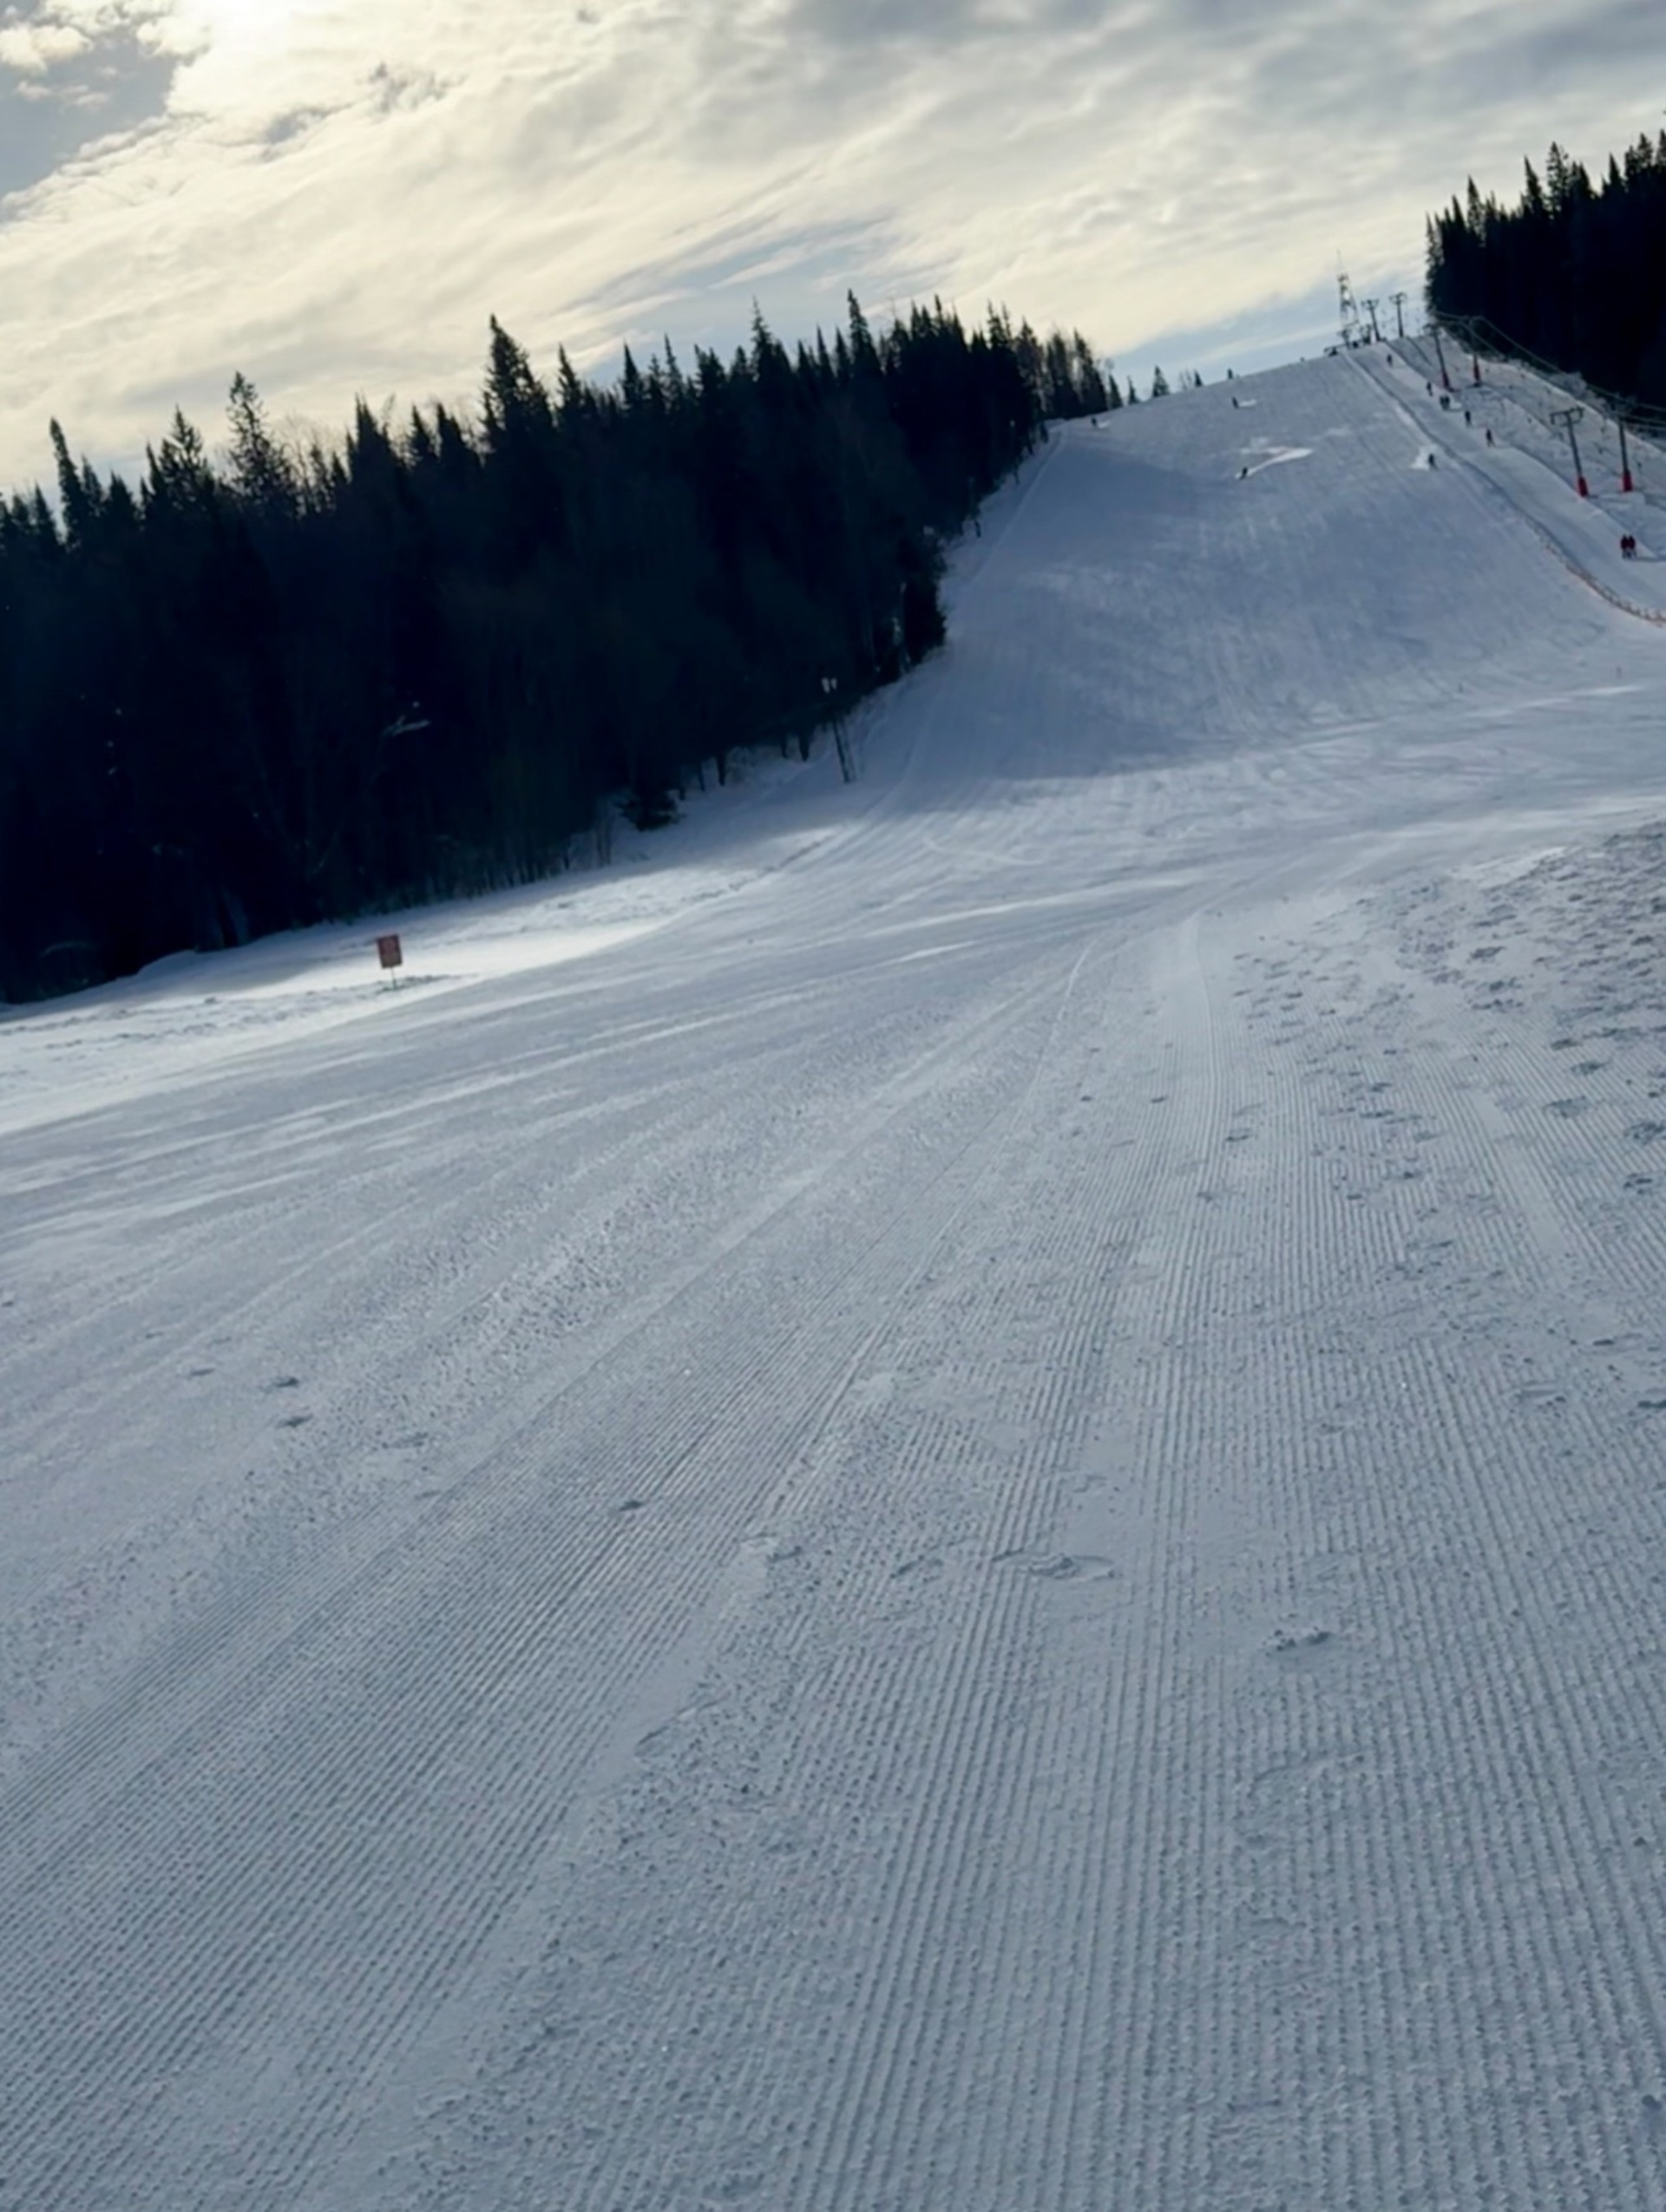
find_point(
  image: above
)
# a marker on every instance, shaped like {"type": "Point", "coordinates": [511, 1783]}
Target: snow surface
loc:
{"type": "Point", "coordinates": [951, 1498]}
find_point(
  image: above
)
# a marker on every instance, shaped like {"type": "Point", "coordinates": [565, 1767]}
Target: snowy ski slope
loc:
{"type": "Point", "coordinates": [951, 1498]}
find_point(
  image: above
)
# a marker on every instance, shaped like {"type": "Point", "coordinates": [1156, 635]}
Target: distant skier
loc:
{"type": "Point", "coordinates": [1489, 434]}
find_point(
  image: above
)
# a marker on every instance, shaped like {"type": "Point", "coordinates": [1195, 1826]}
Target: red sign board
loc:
{"type": "Point", "coordinates": [388, 951]}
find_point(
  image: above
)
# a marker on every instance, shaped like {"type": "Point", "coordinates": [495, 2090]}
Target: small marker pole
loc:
{"type": "Point", "coordinates": [1626, 485]}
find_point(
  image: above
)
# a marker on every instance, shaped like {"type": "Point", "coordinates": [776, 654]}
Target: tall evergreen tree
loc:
{"type": "Point", "coordinates": [423, 659]}
{"type": "Point", "coordinates": [1573, 273]}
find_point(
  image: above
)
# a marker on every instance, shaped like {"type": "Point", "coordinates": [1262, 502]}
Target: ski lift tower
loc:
{"type": "Point", "coordinates": [1565, 418]}
{"type": "Point", "coordinates": [1627, 483]}
{"type": "Point", "coordinates": [1347, 311]}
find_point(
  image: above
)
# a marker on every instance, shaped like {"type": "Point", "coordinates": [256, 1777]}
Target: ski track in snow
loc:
{"type": "Point", "coordinates": [951, 1499]}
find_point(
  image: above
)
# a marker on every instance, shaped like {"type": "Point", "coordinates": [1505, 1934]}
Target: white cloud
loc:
{"type": "Point", "coordinates": [51, 33]}
{"type": "Point", "coordinates": [32, 49]}
{"type": "Point", "coordinates": [334, 198]}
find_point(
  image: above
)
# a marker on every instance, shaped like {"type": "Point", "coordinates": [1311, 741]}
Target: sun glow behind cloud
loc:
{"type": "Point", "coordinates": [333, 198]}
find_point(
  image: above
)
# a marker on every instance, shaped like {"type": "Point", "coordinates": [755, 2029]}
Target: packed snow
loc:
{"type": "Point", "coordinates": [949, 1497]}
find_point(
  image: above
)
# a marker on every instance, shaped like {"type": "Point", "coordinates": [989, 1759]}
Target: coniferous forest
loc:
{"type": "Point", "coordinates": [1574, 272]}
{"type": "Point", "coordinates": [288, 685]}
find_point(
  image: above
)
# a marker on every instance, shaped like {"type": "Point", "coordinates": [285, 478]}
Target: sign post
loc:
{"type": "Point", "coordinates": [390, 953]}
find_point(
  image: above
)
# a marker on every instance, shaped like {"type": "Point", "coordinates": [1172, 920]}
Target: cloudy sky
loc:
{"type": "Point", "coordinates": [333, 195]}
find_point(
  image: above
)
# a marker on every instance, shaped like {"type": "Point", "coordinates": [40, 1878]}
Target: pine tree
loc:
{"type": "Point", "coordinates": [1572, 273]}
{"type": "Point", "coordinates": [422, 659]}
{"type": "Point", "coordinates": [263, 476]}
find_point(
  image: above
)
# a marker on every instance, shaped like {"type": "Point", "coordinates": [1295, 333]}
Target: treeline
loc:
{"type": "Point", "coordinates": [290, 686]}
{"type": "Point", "coordinates": [1574, 272]}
